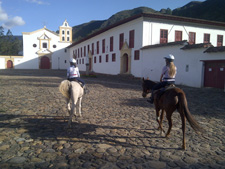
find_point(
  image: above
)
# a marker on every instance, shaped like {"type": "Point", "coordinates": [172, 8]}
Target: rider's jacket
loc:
{"type": "Point", "coordinates": [73, 72]}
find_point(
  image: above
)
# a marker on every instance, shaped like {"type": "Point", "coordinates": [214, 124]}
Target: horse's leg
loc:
{"type": "Point", "coordinates": [80, 99]}
{"type": "Point", "coordinates": [168, 116]}
{"type": "Point", "coordinates": [183, 129]}
{"type": "Point", "coordinates": [68, 104]}
{"type": "Point", "coordinates": [73, 109]}
{"type": "Point", "coordinates": [161, 120]}
{"type": "Point", "coordinates": [158, 118]}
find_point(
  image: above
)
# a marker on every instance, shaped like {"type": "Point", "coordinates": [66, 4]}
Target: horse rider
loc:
{"type": "Point", "coordinates": [73, 74]}
{"type": "Point", "coordinates": [167, 77]}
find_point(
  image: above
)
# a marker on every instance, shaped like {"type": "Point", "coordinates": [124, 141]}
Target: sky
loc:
{"type": "Point", "coordinates": [30, 15]}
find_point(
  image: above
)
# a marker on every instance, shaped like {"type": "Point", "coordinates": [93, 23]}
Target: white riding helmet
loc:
{"type": "Point", "coordinates": [73, 60]}
{"type": "Point", "coordinates": [170, 57]}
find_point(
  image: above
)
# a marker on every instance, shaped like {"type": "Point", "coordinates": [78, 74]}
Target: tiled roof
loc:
{"type": "Point", "coordinates": [215, 49]}
{"type": "Point", "coordinates": [196, 46]}
{"type": "Point", "coordinates": [164, 44]}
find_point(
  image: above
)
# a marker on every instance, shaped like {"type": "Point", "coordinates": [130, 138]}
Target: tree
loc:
{"type": "Point", "coordinates": [9, 45]}
{"type": "Point", "coordinates": [1, 39]}
{"type": "Point", "coordinates": [1, 31]}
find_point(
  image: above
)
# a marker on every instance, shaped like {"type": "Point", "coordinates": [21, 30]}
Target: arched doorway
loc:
{"type": "Point", "coordinates": [125, 63]}
{"type": "Point", "coordinates": [125, 59]}
{"type": "Point", "coordinates": [9, 64]}
{"type": "Point", "coordinates": [45, 63]}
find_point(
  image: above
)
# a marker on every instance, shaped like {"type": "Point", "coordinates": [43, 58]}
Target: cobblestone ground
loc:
{"type": "Point", "coordinates": [117, 130]}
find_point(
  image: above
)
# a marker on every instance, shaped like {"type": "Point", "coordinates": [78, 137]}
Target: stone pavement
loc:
{"type": "Point", "coordinates": [117, 130]}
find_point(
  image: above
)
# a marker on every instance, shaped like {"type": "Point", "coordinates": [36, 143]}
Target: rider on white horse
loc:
{"type": "Point", "coordinates": [73, 74]}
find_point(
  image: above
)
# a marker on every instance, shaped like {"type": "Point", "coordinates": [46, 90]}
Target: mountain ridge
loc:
{"type": "Point", "coordinates": [212, 10]}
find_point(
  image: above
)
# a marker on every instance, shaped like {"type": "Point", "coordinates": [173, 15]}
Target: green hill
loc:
{"type": "Point", "coordinates": [83, 30]}
{"type": "Point", "coordinates": [209, 10]}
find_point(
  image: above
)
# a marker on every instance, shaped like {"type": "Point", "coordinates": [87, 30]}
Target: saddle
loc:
{"type": "Point", "coordinates": [164, 89]}
{"type": "Point", "coordinates": [75, 80]}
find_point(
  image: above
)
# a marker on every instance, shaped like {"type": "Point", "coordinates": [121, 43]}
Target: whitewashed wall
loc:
{"type": "Point", "coordinates": [151, 31]}
{"type": "Point", "coordinates": [189, 63]}
{"type": "Point", "coordinates": [2, 63]}
{"type": "Point", "coordinates": [111, 67]}
{"type": "Point", "coordinates": [60, 59]}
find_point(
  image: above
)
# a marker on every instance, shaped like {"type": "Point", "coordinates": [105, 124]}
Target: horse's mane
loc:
{"type": "Point", "coordinates": [149, 83]}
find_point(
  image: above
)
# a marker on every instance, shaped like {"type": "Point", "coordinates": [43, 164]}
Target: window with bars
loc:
{"type": "Point", "coordinates": [44, 45]}
{"type": "Point", "coordinates": [97, 47]}
{"type": "Point", "coordinates": [131, 39]}
{"type": "Point", "coordinates": [113, 57]}
{"type": "Point", "coordinates": [107, 58]}
{"type": "Point", "coordinates": [111, 43]}
{"type": "Point", "coordinates": [103, 46]}
{"type": "Point", "coordinates": [92, 48]}
{"type": "Point", "coordinates": [136, 55]}
{"type": "Point", "coordinates": [206, 38]}
{"type": "Point", "coordinates": [163, 36]}
{"type": "Point", "coordinates": [219, 40]}
{"type": "Point", "coordinates": [84, 51]}
{"type": "Point", "coordinates": [192, 38]}
{"type": "Point", "coordinates": [178, 36]}
{"type": "Point", "coordinates": [121, 40]}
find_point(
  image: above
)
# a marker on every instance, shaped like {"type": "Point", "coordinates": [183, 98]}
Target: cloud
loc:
{"type": "Point", "coordinates": [7, 22]}
{"type": "Point", "coordinates": [39, 2]}
{"type": "Point", "coordinates": [3, 14]}
{"type": "Point", "coordinates": [15, 21]}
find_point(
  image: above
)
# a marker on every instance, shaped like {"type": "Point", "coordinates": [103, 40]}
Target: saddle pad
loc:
{"type": "Point", "coordinates": [164, 89]}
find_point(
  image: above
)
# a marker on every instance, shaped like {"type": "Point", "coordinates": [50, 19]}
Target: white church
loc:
{"type": "Point", "coordinates": [134, 46]}
{"type": "Point", "coordinates": [42, 49]}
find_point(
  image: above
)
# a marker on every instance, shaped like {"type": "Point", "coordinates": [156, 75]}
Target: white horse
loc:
{"type": "Point", "coordinates": [74, 92]}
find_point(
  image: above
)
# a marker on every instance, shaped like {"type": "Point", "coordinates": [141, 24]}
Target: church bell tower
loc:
{"type": "Point", "coordinates": [65, 33]}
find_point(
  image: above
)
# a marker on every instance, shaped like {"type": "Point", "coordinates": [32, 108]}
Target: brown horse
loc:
{"type": "Point", "coordinates": [171, 100]}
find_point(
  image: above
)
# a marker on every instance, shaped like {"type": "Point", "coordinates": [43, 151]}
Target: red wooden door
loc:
{"type": "Point", "coordinates": [126, 63]}
{"type": "Point", "coordinates": [45, 63]}
{"type": "Point", "coordinates": [9, 64]}
{"type": "Point", "coordinates": [214, 74]}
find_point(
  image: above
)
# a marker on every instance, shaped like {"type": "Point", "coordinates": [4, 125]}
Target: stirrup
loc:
{"type": "Point", "coordinates": [150, 100]}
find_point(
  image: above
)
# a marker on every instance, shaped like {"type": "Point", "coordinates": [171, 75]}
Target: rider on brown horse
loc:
{"type": "Point", "coordinates": [167, 77]}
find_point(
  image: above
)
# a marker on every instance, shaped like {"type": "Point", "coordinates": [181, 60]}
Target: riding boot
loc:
{"type": "Point", "coordinates": [86, 91]}
{"type": "Point", "coordinates": [151, 99]}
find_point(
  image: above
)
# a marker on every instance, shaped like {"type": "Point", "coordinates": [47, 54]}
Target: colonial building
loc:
{"type": "Point", "coordinates": [138, 44]}
{"type": "Point", "coordinates": [42, 49]}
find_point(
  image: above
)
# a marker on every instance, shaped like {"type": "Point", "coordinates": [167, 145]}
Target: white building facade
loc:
{"type": "Point", "coordinates": [42, 49]}
{"type": "Point", "coordinates": [138, 44]}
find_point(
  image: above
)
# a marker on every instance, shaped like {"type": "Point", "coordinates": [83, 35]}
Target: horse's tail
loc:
{"type": "Point", "coordinates": [64, 88]}
{"type": "Point", "coordinates": [183, 107]}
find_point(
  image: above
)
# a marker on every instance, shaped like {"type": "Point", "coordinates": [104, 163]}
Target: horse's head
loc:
{"type": "Point", "coordinates": [146, 88]}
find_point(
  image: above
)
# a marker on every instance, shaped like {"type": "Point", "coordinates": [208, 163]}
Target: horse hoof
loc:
{"type": "Point", "coordinates": [68, 126]}
{"type": "Point", "coordinates": [167, 136]}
